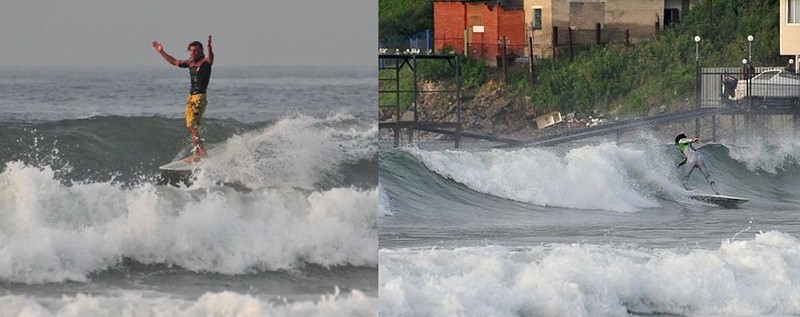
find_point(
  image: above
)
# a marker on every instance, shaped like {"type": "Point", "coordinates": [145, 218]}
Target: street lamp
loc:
{"type": "Point", "coordinates": [750, 39]}
{"type": "Point", "coordinates": [746, 65]}
{"type": "Point", "coordinates": [748, 68]}
{"type": "Point", "coordinates": [697, 70]}
{"type": "Point", "coordinates": [697, 48]}
{"type": "Point", "coordinates": [747, 74]}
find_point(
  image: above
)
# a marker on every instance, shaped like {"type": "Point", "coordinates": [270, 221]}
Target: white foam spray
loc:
{"type": "Point", "coordinates": [220, 304]}
{"type": "Point", "coordinates": [606, 176]}
{"type": "Point", "coordinates": [767, 154]}
{"type": "Point", "coordinates": [297, 151]}
{"type": "Point", "coordinates": [755, 277]}
{"type": "Point", "coordinates": [52, 232]}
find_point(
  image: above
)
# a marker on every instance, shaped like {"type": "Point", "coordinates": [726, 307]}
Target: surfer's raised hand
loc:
{"type": "Point", "coordinates": [160, 48]}
{"type": "Point", "coordinates": [210, 51]}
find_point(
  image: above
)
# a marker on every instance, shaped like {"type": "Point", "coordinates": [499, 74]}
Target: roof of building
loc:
{"type": "Point", "coordinates": [505, 4]}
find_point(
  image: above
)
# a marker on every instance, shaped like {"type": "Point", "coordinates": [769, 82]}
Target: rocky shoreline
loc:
{"type": "Point", "coordinates": [493, 110]}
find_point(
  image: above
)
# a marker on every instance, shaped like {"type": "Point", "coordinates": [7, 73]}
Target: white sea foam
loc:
{"type": "Point", "coordinates": [221, 304]}
{"type": "Point", "coordinates": [605, 177]}
{"type": "Point", "coordinates": [52, 232]}
{"type": "Point", "coordinates": [296, 151]}
{"type": "Point", "coordinates": [768, 154]}
{"type": "Point", "coordinates": [384, 206]}
{"type": "Point", "coordinates": [742, 278]}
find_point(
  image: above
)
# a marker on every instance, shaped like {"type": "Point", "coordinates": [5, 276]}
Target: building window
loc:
{"type": "Point", "coordinates": [671, 17]}
{"type": "Point", "coordinates": [794, 11]}
{"type": "Point", "coordinates": [536, 23]}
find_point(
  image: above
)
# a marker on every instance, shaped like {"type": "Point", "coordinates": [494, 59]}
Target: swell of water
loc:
{"type": "Point", "coordinates": [604, 229]}
{"type": "Point", "coordinates": [67, 215]}
{"type": "Point", "coordinates": [626, 178]}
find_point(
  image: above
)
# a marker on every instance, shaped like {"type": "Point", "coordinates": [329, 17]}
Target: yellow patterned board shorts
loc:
{"type": "Point", "coordinates": [195, 107]}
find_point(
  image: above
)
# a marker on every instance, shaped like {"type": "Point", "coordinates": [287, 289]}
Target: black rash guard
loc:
{"type": "Point", "coordinates": [199, 73]}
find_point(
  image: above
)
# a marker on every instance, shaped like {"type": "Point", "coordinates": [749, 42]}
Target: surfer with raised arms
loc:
{"type": "Point", "coordinates": [692, 159]}
{"type": "Point", "coordinates": [199, 72]}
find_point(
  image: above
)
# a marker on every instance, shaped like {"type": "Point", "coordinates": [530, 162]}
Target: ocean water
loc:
{"type": "Point", "coordinates": [599, 227]}
{"type": "Point", "coordinates": [283, 222]}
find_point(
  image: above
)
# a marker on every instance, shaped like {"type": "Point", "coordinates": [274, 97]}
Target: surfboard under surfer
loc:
{"type": "Point", "coordinates": [199, 66]}
{"type": "Point", "coordinates": [692, 159]}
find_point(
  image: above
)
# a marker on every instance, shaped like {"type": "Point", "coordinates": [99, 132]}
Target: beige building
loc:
{"type": "Point", "coordinates": [549, 21]}
{"type": "Point", "coordinates": [790, 28]}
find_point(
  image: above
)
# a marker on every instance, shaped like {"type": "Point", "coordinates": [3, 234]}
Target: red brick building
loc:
{"type": "Point", "coordinates": [478, 27]}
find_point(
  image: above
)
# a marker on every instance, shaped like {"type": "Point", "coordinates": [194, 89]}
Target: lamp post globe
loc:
{"type": "Point", "coordinates": [697, 48]}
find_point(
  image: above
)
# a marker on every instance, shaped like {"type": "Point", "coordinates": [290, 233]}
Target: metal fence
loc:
{"type": "Point", "coordinates": [421, 41]}
{"type": "Point", "coordinates": [495, 52]}
{"type": "Point", "coordinates": [560, 42]}
{"type": "Point", "coordinates": [587, 38]}
{"type": "Point", "coordinates": [770, 87]}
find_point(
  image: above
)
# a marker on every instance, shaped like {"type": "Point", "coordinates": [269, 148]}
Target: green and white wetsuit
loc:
{"type": "Point", "coordinates": [693, 160]}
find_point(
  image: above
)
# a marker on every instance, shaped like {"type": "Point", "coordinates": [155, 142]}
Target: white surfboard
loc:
{"type": "Point", "coordinates": [178, 172]}
{"type": "Point", "coordinates": [180, 166]}
{"type": "Point", "coordinates": [720, 200]}
{"type": "Point", "coordinates": [182, 170]}
{"type": "Point", "coordinates": [185, 165]}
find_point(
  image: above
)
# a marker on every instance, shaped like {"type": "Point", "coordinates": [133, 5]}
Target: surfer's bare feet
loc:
{"type": "Point", "coordinates": [199, 151]}
{"type": "Point", "coordinates": [192, 159]}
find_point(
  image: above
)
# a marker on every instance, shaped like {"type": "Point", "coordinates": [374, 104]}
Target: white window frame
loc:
{"type": "Point", "coordinates": [793, 11]}
{"type": "Point", "coordinates": [533, 18]}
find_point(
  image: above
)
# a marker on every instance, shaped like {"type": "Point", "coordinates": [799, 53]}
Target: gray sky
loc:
{"type": "Point", "coordinates": [245, 32]}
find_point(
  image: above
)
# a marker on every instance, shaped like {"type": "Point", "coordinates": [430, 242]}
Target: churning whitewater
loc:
{"type": "Point", "coordinates": [281, 220]}
{"type": "Point", "coordinates": [593, 229]}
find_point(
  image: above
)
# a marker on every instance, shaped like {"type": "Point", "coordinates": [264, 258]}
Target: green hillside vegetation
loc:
{"type": "Point", "coordinates": [403, 18]}
{"type": "Point", "coordinates": [632, 80]}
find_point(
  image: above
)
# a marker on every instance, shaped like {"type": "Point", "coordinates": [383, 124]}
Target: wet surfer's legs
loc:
{"type": "Point", "coordinates": [703, 169]}
{"type": "Point", "coordinates": [687, 171]}
{"type": "Point", "coordinates": [195, 107]}
{"type": "Point", "coordinates": [197, 143]}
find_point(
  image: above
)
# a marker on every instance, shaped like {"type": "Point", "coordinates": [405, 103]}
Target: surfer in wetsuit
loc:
{"type": "Point", "coordinates": [199, 72]}
{"type": "Point", "coordinates": [692, 159]}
